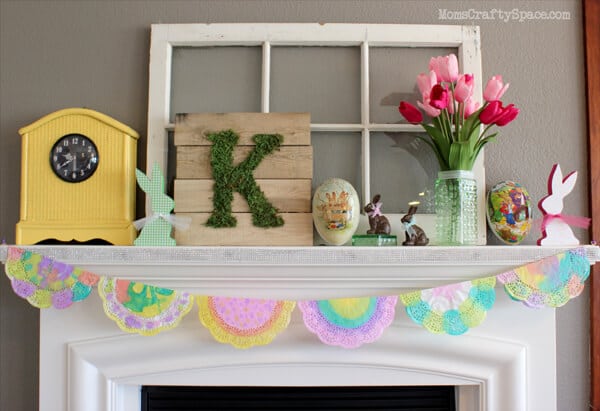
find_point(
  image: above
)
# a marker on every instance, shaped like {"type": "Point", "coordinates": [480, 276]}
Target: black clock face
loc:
{"type": "Point", "coordinates": [74, 158]}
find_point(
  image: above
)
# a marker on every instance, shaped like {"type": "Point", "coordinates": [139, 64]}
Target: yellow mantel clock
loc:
{"type": "Point", "coordinates": [77, 179]}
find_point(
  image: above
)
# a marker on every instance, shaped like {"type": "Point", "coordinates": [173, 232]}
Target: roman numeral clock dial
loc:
{"type": "Point", "coordinates": [74, 158]}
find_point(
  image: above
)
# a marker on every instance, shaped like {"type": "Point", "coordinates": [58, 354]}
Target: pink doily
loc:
{"type": "Point", "coordinates": [244, 322]}
{"type": "Point", "coordinates": [349, 322]}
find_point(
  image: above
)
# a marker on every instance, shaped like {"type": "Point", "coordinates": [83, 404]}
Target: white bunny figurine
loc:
{"type": "Point", "coordinates": [555, 227]}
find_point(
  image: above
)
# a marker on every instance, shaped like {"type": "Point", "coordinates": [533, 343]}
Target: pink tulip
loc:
{"type": "Point", "coordinates": [410, 112]}
{"type": "Point", "coordinates": [439, 97]}
{"type": "Point", "coordinates": [450, 106]}
{"type": "Point", "coordinates": [509, 113]}
{"type": "Point", "coordinates": [426, 82]}
{"type": "Point", "coordinates": [431, 111]}
{"type": "Point", "coordinates": [464, 88]}
{"type": "Point", "coordinates": [491, 112]}
{"type": "Point", "coordinates": [470, 106]}
{"type": "Point", "coordinates": [494, 89]}
{"type": "Point", "coordinates": [445, 67]}
{"type": "Point", "coordinates": [494, 113]}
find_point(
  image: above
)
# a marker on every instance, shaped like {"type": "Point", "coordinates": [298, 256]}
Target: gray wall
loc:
{"type": "Point", "coordinates": [58, 54]}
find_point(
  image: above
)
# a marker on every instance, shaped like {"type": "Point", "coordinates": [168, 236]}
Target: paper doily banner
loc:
{"type": "Point", "coordinates": [451, 309]}
{"type": "Point", "coordinates": [550, 282]}
{"type": "Point", "coordinates": [143, 309]}
{"type": "Point", "coordinates": [349, 322]}
{"type": "Point", "coordinates": [45, 282]}
{"type": "Point", "coordinates": [345, 322]}
{"type": "Point", "coordinates": [244, 322]}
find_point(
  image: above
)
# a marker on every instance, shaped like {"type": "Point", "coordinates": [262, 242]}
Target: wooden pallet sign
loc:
{"type": "Point", "coordinates": [223, 153]}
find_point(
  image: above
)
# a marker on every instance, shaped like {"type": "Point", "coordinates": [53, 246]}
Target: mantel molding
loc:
{"type": "Point", "coordinates": [86, 359]}
{"type": "Point", "coordinates": [298, 272]}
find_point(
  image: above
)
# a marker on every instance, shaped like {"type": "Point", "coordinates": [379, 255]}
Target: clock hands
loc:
{"type": "Point", "coordinates": [69, 157]}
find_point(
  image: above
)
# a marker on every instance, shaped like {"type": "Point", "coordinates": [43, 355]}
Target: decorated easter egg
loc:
{"type": "Point", "coordinates": [336, 211]}
{"type": "Point", "coordinates": [509, 212]}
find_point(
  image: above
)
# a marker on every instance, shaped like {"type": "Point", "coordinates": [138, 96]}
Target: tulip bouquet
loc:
{"type": "Point", "coordinates": [455, 134]}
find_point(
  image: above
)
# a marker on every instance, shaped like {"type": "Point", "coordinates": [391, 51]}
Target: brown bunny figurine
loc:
{"type": "Point", "coordinates": [414, 234]}
{"type": "Point", "coordinates": [378, 222]}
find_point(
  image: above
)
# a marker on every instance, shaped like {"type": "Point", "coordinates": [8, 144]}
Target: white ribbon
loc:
{"type": "Point", "coordinates": [180, 222]}
{"type": "Point", "coordinates": [409, 227]}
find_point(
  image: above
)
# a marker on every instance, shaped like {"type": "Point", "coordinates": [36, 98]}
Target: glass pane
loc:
{"type": "Point", "coordinates": [337, 155]}
{"type": "Point", "coordinates": [215, 80]}
{"type": "Point", "coordinates": [324, 81]}
{"type": "Point", "coordinates": [403, 169]}
{"type": "Point", "coordinates": [392, 77]}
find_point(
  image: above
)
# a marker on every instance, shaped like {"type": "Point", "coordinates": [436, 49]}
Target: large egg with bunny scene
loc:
{"type": "Point", "coordinates": [509, 212]}
{"type": "Point", "coordinates": [336, 211]}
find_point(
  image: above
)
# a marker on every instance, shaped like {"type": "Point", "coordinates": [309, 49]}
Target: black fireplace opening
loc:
{"type": "Point", "coordinates": [397, 398]}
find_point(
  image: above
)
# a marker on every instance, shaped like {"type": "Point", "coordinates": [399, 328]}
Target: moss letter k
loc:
{"type": "Point", "coordinates": [240, 178]}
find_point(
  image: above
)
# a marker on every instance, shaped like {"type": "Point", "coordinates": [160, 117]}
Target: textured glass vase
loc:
{"type": "Point", "coordinates": [456, 208]}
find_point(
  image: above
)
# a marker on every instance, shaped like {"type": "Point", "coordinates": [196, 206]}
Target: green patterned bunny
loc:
{"type": "Point", "coordinates": [156, 228]}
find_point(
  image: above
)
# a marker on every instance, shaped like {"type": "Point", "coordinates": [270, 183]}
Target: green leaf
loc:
{"type": "Point", "coordinates": [460, 156]}
{"type": "Point", "coordinates": [439, 140]}
{"type": "Point", "coordinates": [471, 128]}
{"type": "Point", "coordinates": [441, 124]}
{"type": "Point", "coordinates": [481, 143]}
{"type": "Point", "coordinates": [441, 159]}
{"type": "Point", "coordinates": [474, 136]}
{"type": "Point", "coordinates": [434, 132]}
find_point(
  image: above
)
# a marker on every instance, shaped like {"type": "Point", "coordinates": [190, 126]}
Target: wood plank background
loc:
{"type": "Point", "coordinates": [285, 176]}
{"type": "Point", "coordinates": [193, 162]}
{"type": "Point", "coordinates": [191, 129]}
{"type": "Point", "coordinates": [197, 196]}
{"type": "Point", "coordinates": [297, 231]}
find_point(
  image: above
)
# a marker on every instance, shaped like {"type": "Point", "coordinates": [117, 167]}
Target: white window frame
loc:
{"type": "Point", "coordinates": [265, 35]}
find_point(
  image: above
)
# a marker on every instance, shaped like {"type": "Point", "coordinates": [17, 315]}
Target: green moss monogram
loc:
{"type": "Point", "coordinates": [241, 179]}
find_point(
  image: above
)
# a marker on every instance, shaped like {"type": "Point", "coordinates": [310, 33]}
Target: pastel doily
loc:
{"type": "Point", "coordinates": [349, 322]}
{"type": "Point", "coordinates": [244, 322]}
{"type": "Point", "coordinates": [45, 282]}
{"type": "Point", "coordinates": [550, 282]}
{"type": "Point", "coordinates": [451, 309]}
{"type": "Point", "coordinates": [143, 309]}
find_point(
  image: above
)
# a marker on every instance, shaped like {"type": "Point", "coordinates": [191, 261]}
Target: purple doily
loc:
{"type": "Point", "coordinates": [349, 322]}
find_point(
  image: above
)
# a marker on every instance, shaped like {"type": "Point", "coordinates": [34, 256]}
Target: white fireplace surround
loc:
{"type": "Point", "coordinates": [507, 363]}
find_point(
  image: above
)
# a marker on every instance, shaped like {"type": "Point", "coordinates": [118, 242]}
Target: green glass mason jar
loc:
{"type": "Point", "coordinates": [456, 208]}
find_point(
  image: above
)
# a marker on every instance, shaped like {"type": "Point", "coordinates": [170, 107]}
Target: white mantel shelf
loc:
{"type": "Point", "coordinates": [298, 272]}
